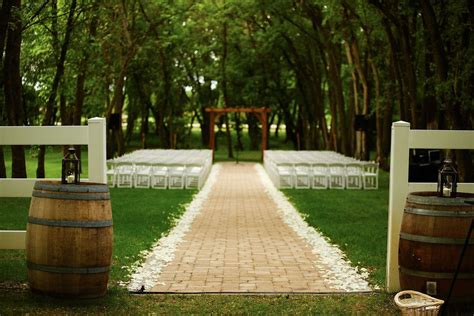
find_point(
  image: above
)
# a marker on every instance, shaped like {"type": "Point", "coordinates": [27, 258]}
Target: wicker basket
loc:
{"type": "Point", "coordinates": [413, 303]}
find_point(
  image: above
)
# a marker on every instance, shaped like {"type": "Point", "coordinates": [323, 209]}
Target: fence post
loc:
{"type": "Point", "coordinates": [399, 157]}
{"type": "Point", "coordinates": [97, 150]}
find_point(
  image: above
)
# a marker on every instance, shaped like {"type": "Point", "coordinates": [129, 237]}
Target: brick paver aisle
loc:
{"type": "Point", "coordinates": [238, 243]}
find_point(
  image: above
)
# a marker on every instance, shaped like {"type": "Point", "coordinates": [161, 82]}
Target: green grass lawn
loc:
{"type": "Point", "coordinates": [120, 302]}
{"type": "Point", "coordinates": [355, 220]}
{"type": "Point", "coordinates": [141, 216]}
{"type": "Point", "coordinates": [52, 161]}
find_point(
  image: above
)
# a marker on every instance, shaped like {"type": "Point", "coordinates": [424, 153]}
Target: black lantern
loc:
{"type": "Point", "coordinates": [70, 168]}
{"type": "Point", "coordinates": [447, 179]}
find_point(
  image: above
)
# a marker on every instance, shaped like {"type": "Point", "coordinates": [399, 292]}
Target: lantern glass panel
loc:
{"type": "Point", "coordinates": [70, 168]}
{"type": "Point", "coordinates": [447, 179]}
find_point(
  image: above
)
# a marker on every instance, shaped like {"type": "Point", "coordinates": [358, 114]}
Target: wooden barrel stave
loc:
{"type": "Point", "coordinates": [432, 236]}
{"type": "Point", "coordinates": [462, 292]}
{"type": "Point", "coordinates": [434, 258]}
{"type": "Point", "coordinates": [69, 239]}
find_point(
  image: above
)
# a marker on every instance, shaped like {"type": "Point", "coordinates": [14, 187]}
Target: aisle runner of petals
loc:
{"type": "Point", "coordinates": [162, 253]}
{"type": "Point", "coordinates": [333, 267]}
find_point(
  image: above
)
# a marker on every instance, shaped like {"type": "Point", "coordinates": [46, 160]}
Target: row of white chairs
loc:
{"type": "Point", "coordinates": [160, 169]}
{"type": "Point", "coordinates": [319, 170]}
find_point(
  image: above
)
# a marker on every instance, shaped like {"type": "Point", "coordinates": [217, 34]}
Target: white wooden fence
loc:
{"type": "Point", "coordinates": [403, 139]}
{"type": "Point", "coordinates": [92, 135]}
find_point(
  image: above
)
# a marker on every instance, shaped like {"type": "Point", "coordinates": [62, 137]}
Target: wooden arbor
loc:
{"type": "Point", "coordinates": [261, 114]}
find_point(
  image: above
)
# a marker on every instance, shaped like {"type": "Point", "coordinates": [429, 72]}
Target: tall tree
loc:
{"type": "Point", "coordinates": [50, 104]}
{"type": "Point", "coordinates": [5, 13]}
{"type": "Point", "coordinates": [12, 77]}
{"type": "Point", "coordinates": [225, 89]}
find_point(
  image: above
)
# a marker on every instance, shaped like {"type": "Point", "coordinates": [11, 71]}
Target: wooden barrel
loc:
{"type": "Point", "coordinates": [69, 239]}
{"type": "Point", "coordinates": [432, 236]}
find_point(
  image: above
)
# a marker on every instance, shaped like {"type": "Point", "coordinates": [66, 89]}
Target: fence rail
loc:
{"type": "Point", "coordinates": [92, 135]}
{"type": "Point", "coordinates": [404, 139]}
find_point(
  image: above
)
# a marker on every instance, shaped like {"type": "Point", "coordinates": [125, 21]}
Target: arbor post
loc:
{"type": "Point", "coordinates": [263, 115]}
{"type": "Point", "coordinates": [212, 141]}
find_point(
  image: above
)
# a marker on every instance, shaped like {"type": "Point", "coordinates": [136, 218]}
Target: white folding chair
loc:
{"type": "Point", "coordinates": [320, 176]}
{"type": "Point", "coordinates": [285, 175]}
{"type": "Point", "coordinates": [159, 177]}
{"type": "Point", "coordinates": [353, 176]}
{"type": "Point", "coordinates": [370, 175]}
{"type": "Point", "coordinates": [125, 173]}
{"type": "Point", "coordinates": [302, 175]}
{"type": "Point", "coordinates": [142, 176]}
{"type": "Point", "coordinates": [337, 176]}
{"type": "Point", "coordinates": [111, 175]}
{"type": "Point", "coordinates": [176, 176]}
{"type": "Point", "coordinates": [194, 175]}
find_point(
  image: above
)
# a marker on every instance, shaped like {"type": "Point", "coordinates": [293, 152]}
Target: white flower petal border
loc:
{"type": "Point", "coordinates": [334, 268]}
{"type": "Point", "coordinates": [146, 275]}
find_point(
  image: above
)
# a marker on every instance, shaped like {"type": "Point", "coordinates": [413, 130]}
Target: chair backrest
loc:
{"type": "Point", "coordinates": [143, 167]}
{"type": "Point", "coordinates": [320, 168]}
{"type": "Point", "coordinates": [302, 166]}
{"type": "Point", "coordinates": [354, 168]}
{"type": "Point", "coordinates": [336, 168]}
{"type": "Point", "coordinates": [371, 167]}
{"type": "Point", "coordinates": [125, 166]}
{"type": "Point", "coordinates": [159, 169]}
{"type": "Point", "coordinates": [285, 166]}
{"type": "Point", "coordinates": [176, 168]}
{"type": "Point", "coordinates": [194, 168]}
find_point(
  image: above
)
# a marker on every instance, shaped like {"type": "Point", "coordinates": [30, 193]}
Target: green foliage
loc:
{"type": "Point", "coordinates": [53, 158]}
{"type": "Point", "coordinates": [279, 54]}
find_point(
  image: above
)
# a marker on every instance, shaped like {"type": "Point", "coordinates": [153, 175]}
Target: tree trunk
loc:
{"type": "Point", "coordinates": [254, 131]}
{"type": "Point", "coordinates": [12, 77]}
{"type": "Point", "coordinates": [353, 104]}
{"type": "Point", "coordinates": [132, 116]}
{"type": "Point", "coordinates": [48, 116]}
{"type": "Point", "coordinates": [453, 109]}
{"type": "Point", "coordinates": [408, 73]}
{"type": "Point", "coordinates": [238, 128]}
{"type": "Point", "coordinates": [80, 93]}
{"type": "Point", "coordinates": [205, 122]}
{"type": "Point", "coordinates": [144, 127]}
{"type": "Point", "coordinates": [116, 137]}
{"type": "Point", "coordinates": [225, 94]}
{"type": "Point", "coordinates": [388, 20]}
{"type": "Point", "coordinates": [5, 12]}
{"type": "Point", "coordinates": [338, 96]}
{"type": "Point", "coordinates": [388, 108]}
{"type": "Point", "coordinates": [380, 158]}
{"type": "Point", "coordinates": [3, 169]}
{"type": "Point", "coordinates": [355, 54]}
{"type": "Point", "coordinates": [332, 51]}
